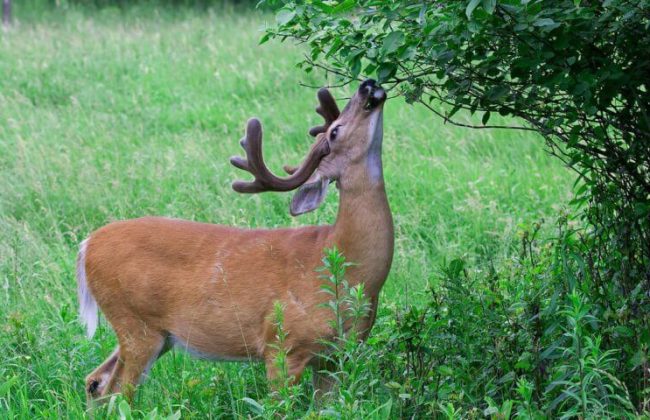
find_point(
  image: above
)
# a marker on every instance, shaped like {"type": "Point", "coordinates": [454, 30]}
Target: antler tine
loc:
{"type": "Point", "coordinates": [327, 109]}
{"type": "Point", "coordinates": [265, 180]}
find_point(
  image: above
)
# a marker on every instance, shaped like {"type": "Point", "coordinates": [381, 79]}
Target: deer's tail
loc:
{"type": "Point", "coordinates": [88, 310]}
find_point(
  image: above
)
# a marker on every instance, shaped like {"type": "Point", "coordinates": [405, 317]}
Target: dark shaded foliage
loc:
{"type": "Point", "coordinates": [538, 338]}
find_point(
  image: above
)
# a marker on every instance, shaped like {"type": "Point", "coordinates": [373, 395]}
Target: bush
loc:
{"type": "Point", "coordinates": [536, 339]}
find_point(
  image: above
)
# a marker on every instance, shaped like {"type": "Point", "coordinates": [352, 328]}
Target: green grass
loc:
{"type": "Point", "coordinates": [111, 114]}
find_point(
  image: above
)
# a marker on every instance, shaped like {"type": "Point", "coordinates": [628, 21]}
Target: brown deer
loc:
{"type": "Point", "coordinates": [211, 289]}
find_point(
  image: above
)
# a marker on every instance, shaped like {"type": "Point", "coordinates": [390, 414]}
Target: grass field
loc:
{"type": "Point", "coordinates": [109, 114]}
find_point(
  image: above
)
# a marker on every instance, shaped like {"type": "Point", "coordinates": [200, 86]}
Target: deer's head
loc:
{"type": "Point", "coordinates": [347, 150]}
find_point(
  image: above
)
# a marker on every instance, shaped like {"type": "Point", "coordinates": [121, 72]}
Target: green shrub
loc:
{"type": "Point", "coordinates": [535, 339]}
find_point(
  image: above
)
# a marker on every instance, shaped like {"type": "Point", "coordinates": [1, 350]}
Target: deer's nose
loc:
{"type": "Point", "coordinates": [368, 86]}
{"type": "Point", "coordinates": [371, 93]}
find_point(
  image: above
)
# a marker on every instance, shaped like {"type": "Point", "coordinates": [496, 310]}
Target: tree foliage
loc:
{"type": "Point", "coordinates": [575, 71]}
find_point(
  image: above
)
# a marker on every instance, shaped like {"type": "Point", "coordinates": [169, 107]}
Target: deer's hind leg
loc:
{"type": "Point", "coordinates": [138, 351]}
{"type": "Point", "coordinates": [97, 380]}
{"type": "Point", "coordinates": [138, 348]}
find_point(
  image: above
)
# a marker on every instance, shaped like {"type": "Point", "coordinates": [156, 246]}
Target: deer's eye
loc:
{"type": "Point", "coordinates": [334, 133]}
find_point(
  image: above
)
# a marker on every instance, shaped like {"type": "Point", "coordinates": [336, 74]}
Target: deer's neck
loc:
{"type": "Point", "coordinates": [364, 227]}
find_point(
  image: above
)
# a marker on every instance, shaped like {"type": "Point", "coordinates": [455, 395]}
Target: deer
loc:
{"type": "Point", "coordinates": [209, 289]}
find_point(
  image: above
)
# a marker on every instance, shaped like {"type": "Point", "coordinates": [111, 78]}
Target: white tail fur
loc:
{"type": "Point", "coordinates": [88, 311]}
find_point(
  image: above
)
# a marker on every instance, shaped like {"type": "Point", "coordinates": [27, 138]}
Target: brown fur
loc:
{"type": "Point", "coordinates": [214, 287]}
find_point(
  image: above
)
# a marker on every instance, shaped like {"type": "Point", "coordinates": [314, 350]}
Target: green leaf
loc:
{"type": "Point", "coordinates": [176, 415]}
{"type": "Point", "coordinates": [489, 5]}
{"type": "Point", "coordinates": [355, 66]}
{"type": "Point", "coordinates": [336, 45]}
{"type": "Point", "coordinates": [544, 22]}
{"type": "Point", "coordinates": [385, 71]}
{"type": "Point", "coordinates": [407, 53]}
{"type": "Point", "coordinates": [524, 361]}
{"type": "Point", "coordinates": [6, 386]}
{"type": "Point", "coordinates": [265, 38]}
{"type": "Point", "coordinates": [125, 410]}
{"type": "Point", "coordinates": [498, 92]}
{"type": "Point", "coordinates": [470, 8]}
{"type": "Point", "coordinates": [638, 359]}
{"type": "Point", "coordinates": [344, 6]}
{"type": "Point", "coordinates": [381, 412]}
{"type": "Point", "coordinates": [284, 16]}
{"type": "Point", "coordinates": [323, 7]}
{"type": "Point", "coordinates": [454, 110]}
{"type": "Point", "coordinates": [393, 41]}
{"type": "Point", "coordinates": [623, 331]}
{"type": "Point", "coordinates": [456, 267]}
{"type": "Point", "coordinates": [486, 117]}
{"type": "Point", "coordinates": [256, 407]}
{"type": "Point", "coordinates": [393, 385]}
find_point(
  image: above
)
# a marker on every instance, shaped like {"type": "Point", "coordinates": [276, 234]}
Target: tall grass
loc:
{"type": "Point", "coordinates": [112, 113]}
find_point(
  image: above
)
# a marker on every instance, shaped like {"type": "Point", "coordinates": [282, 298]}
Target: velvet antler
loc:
{"type": "Point", "coordinates": [327, 109]}
{"type": "Point", "coordinates": [265, 180]}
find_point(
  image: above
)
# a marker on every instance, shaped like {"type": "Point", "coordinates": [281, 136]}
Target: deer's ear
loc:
{"type": "Point", "coordinates": [310, 194]}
